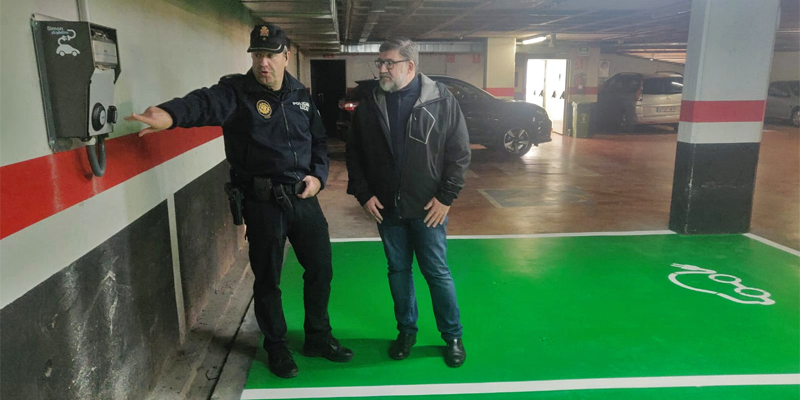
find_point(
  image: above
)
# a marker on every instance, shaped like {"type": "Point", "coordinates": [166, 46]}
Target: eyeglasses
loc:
{"type": "Point", "coordinates": [388, 63]}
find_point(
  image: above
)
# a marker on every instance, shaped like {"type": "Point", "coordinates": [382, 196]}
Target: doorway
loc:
{"type": "Point", "coordinates": [546, 85]}
{"type": "Point", "coordinates": [328, 86]}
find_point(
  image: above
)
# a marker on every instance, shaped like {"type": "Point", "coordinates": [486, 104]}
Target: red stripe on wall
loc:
{"type": "Point", "coordinates": [723, 111]}
{"type": "Point", "coordinates": [33, 190]}
{"type": "Point", "coordinates": [505, 92]}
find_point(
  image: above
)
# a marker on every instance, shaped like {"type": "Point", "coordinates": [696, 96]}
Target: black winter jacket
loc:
{"type": "Point", "coordinates": [275, 134]}
{"type": "Point", "coordinates": [436, 156]}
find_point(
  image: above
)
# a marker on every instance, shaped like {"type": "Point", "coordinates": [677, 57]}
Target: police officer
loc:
{"type": "Point", "coordinates": [275, 143]}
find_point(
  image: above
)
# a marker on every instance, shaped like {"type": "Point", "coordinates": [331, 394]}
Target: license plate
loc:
{"type": "Point", "coordinates": [666, 109]}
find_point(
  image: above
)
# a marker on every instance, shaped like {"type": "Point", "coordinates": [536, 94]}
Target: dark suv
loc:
{"type": "Point", "coordinates": [511, 127]}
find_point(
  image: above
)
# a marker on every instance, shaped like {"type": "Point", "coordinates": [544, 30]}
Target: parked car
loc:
{"type": "Point", "coordinates": [630, 99]}
{"type": "Point", "coordinates": [783, 101]}
{"type": "Point", "coordinates": [511, 127]}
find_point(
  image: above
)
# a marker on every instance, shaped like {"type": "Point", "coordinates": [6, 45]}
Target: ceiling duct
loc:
{"type": "Point", "coordinates": [424, 47]}
{"type": "Point", "coordinates": [310, 24]}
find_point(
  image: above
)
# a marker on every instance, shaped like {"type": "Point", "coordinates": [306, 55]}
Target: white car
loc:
{"type": "Point", "coordinates": [783, 101]}
{"type": "Point", "coordinates": [629, 99]}
{"type": "Point", "coordinates": [65, 49]}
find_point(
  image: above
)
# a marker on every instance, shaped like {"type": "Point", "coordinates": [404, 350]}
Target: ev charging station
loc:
{"type": "Point", "coordinates": [78, 66]}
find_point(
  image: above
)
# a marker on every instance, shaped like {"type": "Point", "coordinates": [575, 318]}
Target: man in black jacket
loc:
{"type": "Point", "coordinates": [275, 144]}
{"type": "Point", "coordinates": [407, 154]}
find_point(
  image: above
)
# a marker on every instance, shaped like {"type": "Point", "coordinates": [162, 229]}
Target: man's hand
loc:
{"type": "Point", "coordinates": [312, 187]}
{"type": "Point", "coordinates": [371, 207]}
{"type": "Point", "coordinates": [436, 213]}
{"type": "Point", "coordinates": [157, 118]}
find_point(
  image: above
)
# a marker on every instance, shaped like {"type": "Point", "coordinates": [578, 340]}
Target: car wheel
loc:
{"type": "Point", "coordinates": [515, 141]}
{"type": "Point", "coordinates": [61, 53]}
{"type": "Point", "coordinates": [75, 53]}
{"type": "Point", "coordinates": [796, 117]}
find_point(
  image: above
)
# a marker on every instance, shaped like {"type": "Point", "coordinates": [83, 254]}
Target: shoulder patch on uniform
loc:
{"type": "Point", "coordinates": [303, 105]}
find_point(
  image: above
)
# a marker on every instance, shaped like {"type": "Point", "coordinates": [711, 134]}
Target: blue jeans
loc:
{"type": "Point", "coordinates": [402, 239]}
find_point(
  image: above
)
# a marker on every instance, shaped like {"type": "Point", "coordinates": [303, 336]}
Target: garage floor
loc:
{"type": "Point", "coordinates": [607, 183]}
{"type": "Point", "coordinates": [564, 315]}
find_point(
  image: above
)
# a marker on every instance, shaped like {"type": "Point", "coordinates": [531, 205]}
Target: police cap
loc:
{"type": "Point", "coordinates": [267, 37]}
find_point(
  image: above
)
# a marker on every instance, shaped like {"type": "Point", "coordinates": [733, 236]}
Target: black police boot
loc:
{"type": "Point", "coordinates": [281, 362]}
{"type": "Point", "coordinates": [401, 348]}
{"type": "Point", "coordinates": [329, 348]}
{"type": "Point", "coordinates": [454, 353]}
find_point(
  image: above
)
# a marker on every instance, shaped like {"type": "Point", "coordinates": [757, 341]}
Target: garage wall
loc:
{"type": "Point", "coordinates": [620, 63]}
{"type": "Point", "coordinates": [88, 265]}
{"type": "Point", "coordinates": [362, 66]}
{"type": "Point", "coordinates": [785, 66]}
{"type": "Point", "coordinates": [302, 68]}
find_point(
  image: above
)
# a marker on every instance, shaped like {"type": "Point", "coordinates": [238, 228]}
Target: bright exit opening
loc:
{"type": "Point", "coordinates": [546, 85]}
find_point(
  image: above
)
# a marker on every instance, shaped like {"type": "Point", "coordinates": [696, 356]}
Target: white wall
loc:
{"type": "Point", "coordinates": [167, 48]}
{"type": "Point", "coordinates": [785, 66]}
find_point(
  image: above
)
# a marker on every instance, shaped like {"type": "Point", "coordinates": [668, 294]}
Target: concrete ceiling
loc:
{"type": "Point", "coordinates": [647, 28]}
{"type": "Point", "coordinates": [311, 24]}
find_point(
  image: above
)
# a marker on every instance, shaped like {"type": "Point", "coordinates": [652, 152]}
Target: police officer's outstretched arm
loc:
{"type": "Point", "coordinates": [203, 107]}
{"type": "Point", "coordinates": [156, 118]}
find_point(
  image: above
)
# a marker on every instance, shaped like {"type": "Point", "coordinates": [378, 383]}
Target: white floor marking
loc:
{"type": "Point", "coordinates": [490, 198]}
{"type": "Point", "coordinates": [523, 387]}
{"type": "Point", "coordinates": [762, 295]}
{"type": "Point", "coordinates": [773, 244]}
{"type": "Point", "coordinates": [526, 236]}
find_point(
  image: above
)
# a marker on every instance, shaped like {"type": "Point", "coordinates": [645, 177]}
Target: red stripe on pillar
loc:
{"type": "Point", "coordinates": [723, 111]}
{"type": "Point", "coordinates": [33, 190]}
{"type": "Point", "coordinates": [505, 92]}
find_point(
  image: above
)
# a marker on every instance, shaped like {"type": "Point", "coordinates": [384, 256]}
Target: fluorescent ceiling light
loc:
{"type": "Point", "coordinates": [535, 40]}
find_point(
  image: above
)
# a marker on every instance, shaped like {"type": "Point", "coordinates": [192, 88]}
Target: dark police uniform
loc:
{"type": "Point", "coordinates": [273, 139]}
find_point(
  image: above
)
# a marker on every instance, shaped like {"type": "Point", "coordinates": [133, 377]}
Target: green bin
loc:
{"type": "Point", "coordinates": [581, 118]}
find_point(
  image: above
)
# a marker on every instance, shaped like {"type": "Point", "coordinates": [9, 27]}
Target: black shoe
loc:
{"type": "Point", "coordinates": [401, 348]}
{"type": "Point", "coordinates": [330, 349]}
{"type": "Point", "coordinates": [454, 353]}
{"type": "Point", "coordinates": [281, 362]}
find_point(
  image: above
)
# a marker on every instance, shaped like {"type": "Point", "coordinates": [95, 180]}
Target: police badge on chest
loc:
{"type": "Point", "coordinates": [264, 109]}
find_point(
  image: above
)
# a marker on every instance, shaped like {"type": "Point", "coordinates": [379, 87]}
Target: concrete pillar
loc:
{"type": "Point", "coordinates": [725, 90]}
{"type": "Point", "coordinates": [500, 58]}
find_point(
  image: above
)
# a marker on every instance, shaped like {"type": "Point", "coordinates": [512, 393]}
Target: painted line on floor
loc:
{"type": "Point", "coordinates": [346, 240]}
{"type": "Point", "coordinates": [773, 244]}
{"type": "Point", "coordinates": [524, 386]}
{"type": "Point", "coordinates": [559, 235]}
{"type": "Point", "coordinates": [526, 236]}
{"type": "Point", "coordinates": [489, 198]}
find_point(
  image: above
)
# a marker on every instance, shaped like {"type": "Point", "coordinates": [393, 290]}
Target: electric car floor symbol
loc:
{"type": "Point", "coordinates": [762, 296]}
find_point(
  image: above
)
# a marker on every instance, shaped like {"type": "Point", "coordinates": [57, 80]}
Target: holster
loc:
{"type": "Point", "coordinates": [235, 196]}
{"type": "Point", "coordinates": [282, 198]}
{"type": "Point", "coordinates": [262, 188]}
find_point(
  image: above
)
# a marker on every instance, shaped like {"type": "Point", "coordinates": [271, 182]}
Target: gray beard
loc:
{"type": "Point", "coordinates": [390, 86]}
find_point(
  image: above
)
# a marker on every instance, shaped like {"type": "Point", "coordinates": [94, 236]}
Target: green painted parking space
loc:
{"type": "Point", "coordinates": [568, 308]}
